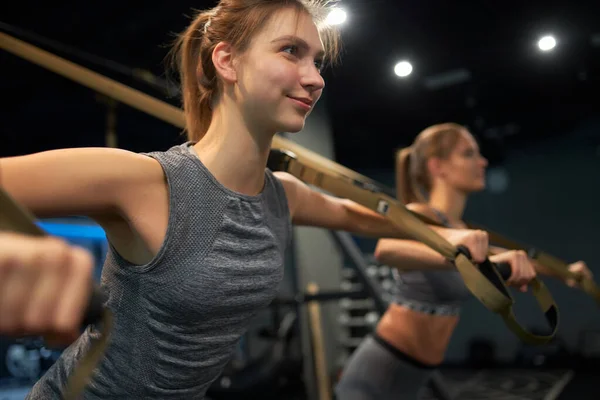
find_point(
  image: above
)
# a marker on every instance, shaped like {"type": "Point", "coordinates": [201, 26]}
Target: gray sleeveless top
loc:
{"type": "Point", "coordinates": [178, 319]}
{"type": "Point", "coordinates": [439, 292]}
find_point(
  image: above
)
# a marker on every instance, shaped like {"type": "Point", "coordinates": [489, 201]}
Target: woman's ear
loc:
{"type": "Point", "coordinates": [222, 58]}
{"type": "Point", "coordinates": [435, 166]}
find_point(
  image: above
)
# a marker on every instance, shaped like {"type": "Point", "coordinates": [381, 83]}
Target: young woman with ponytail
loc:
{"type": "Point", "coordinates": [434, 177]}
{"type": "Point", "coordinates": [197, 233]}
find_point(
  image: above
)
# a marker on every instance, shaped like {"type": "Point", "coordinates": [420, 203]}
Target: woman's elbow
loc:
{"type": "Point", "coordinates": [381, 252]}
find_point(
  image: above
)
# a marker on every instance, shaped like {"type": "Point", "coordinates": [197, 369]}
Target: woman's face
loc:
{"type": "Point", "coordinates": [280, 80]}
{"type": "Point", "coordinates": [464, 169]}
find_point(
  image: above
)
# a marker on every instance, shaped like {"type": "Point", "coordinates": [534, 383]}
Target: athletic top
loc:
{"type": "Point", "coordinates": [179, 318]}
{"type": "Point", "coordinates": [439, 292]}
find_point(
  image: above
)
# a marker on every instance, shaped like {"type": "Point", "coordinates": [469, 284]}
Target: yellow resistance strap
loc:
{"type": "Point", "coordinates": [484, 282]}
{"type": "Point", "coordinates": [15, 218]}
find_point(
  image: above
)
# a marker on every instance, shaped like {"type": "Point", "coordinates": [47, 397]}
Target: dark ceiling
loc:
{"type": "Point", "coordinates": [514, 91]}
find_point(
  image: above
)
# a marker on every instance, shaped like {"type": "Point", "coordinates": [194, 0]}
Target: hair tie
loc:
{"type": "Point", "coordinates": [207, 24]}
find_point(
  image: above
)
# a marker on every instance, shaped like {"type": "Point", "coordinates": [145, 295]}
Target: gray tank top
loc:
{"type": "Point", "coordinates": [431, 291]}
{"type": "Point", "coordinates": [178, 319]}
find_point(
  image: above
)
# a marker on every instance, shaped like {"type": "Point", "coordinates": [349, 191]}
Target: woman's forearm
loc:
{"type": "Point", "coordinates": [363, 221]}
{"type": "Point", "coordinates": [539, 268]}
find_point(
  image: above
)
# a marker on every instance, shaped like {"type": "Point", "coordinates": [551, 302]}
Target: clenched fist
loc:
{"type": "Point", "coordinates": [580, 269]}
{"type": "Point", "coordinates": [44, 287]}
{"type": "Point", "coordinates": [522, 270]}
{"type": "Point", "coordinates": [476, 241]}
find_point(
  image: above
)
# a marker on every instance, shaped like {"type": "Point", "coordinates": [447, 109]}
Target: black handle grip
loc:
{"type": "Point", "coordinates": [504, 270]}
{"type": "Point", "coordinates": [95, 307]}
{"type": "Point", "coordinates": [279, 159]}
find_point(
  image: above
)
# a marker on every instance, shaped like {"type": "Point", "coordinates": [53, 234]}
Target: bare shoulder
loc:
{"type": "Point", "coordinates": [77, 180]}
{"type": "Point", "coordinates": [292, 186]}
{"type": "Point", "coordinates": [143, 168]}
{"type": "Point", "coordinates": [286, 178]}
{"type": "Point", "coordinates": [122, 164]}
{"type": "Point", "coordinates": [100, 161]}
{"type": "Point", "coordinates": [118, 170]}
{"type": "Point", "coordinates": [135, 175]}
{"type": "Point", "coordinates": [290, 183]}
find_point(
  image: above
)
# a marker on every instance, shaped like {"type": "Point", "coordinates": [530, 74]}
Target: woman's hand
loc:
{"type": "Point", "coordinates": [44, 287]}
{"type": "Point", "coordinates": [476, 241]}
{"type": "Point", "coordinates": [522, 270]}
{"type": "Point", "coordinates": [581, 269]}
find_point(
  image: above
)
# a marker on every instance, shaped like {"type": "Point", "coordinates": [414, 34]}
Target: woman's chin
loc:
{"type": "Point", "coordinates": [293, 125]}
{"type": "Point", "coordinates": [479, 187]}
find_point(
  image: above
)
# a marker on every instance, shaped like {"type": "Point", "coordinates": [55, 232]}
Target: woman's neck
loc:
{"type": "Point", "coordinates": [448, 201]}
{"type": "Point", "coordinates": [235, 155]}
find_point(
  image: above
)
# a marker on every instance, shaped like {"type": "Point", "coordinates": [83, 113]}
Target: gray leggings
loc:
{"type": "Point", "coordinates": [378, 371]}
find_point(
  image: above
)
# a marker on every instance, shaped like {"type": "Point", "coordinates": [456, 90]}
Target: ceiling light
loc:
{"type": "Point", "coordinates": [403, 69]}
{"type": "Point", "coordinates": [547, 43]}
{"type": "Point", "coordinates": [336, 16]}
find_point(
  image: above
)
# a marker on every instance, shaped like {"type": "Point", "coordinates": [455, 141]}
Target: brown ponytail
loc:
{"type": "Point", "coordinates": [405, 191]}
{"type": "Point", "coordinates": [198, 76]}
{"type": "Point", "coordinates": [413, 182]}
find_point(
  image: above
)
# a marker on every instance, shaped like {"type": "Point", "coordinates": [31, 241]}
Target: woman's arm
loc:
{"type": "Point", "coordinates": [579, 268]}
{"type": "Point", "coordinates": [80, 181]}
{"type": "Point", "coordinates": [539, 268]}
{"type": "Point", "coordinates": [311, 208]}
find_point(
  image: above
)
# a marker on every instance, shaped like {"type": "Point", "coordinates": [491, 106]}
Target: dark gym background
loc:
{"type": "Point", "coordinates": [536, 115]}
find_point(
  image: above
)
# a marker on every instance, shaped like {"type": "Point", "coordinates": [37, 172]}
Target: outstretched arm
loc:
{"type": "Point", "coordinates": [309, 207]}
{"type": "Point", "coordinates": [411, 255]}
{"type": "Point", "coordinates": [79, 181]}
{"type": "Point", "coordinates": [579, 268]}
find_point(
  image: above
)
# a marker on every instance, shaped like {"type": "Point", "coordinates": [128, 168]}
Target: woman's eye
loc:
{"type": "Point", "coordinates": [294, 51]}
{"type": "Point", "coordinates": [291, 49]}
{"type": "Point", "coordinates": [469, 153]}
{"type": "Point", "coordinates": [319, 65]}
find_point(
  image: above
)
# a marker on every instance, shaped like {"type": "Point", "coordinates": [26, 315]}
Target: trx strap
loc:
{"type": "Point", "coordinates": [554, 264]}
{"type": "Point", "coordinates": [15, 218]}
{"type": "Point", "coordinates": [539, 290]}
{"type": "Point", "coordinates": [484, 282]}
